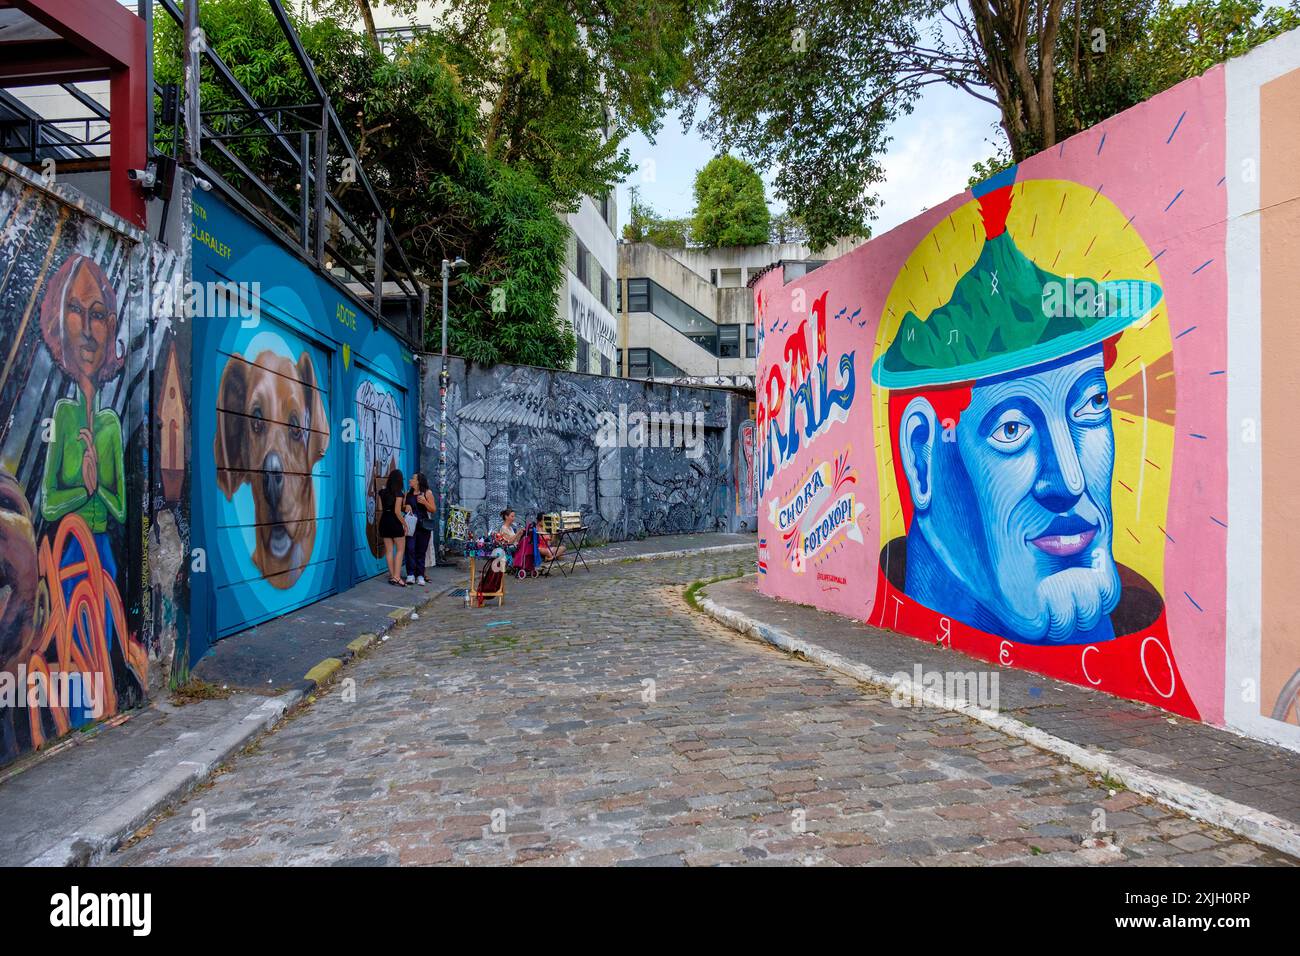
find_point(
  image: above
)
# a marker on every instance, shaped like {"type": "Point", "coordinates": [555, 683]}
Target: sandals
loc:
{"type": "Point", "coordinates": [396, 583]}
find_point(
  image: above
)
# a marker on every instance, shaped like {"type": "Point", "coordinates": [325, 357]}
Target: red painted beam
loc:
{"type": "Point", "coordinates": [103, 29]}
{"type": "Point", "coordinates": [109, 36]}
{"type": "Point", "coordinates": [128, 100]}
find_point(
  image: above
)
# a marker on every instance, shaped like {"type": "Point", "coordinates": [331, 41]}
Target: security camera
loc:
{"type": "Point", "coordinates": [147, 178]}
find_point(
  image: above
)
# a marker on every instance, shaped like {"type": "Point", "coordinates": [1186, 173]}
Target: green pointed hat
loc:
{"type": "Point", "coordinates": [1006, 313]}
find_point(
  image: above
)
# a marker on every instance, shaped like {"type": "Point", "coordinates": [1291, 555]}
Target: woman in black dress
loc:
{"type": "Point", "coordinates": [391, 527]}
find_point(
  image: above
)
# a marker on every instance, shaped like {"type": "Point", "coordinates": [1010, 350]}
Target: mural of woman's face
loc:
{"type": "Point", "coordinates": [88, 326]}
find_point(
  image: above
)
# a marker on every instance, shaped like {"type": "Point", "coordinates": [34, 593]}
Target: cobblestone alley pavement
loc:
{"type": "Point", "coordinates": [598, 720]}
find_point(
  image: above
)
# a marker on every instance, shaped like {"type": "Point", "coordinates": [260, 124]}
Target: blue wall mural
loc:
{"type": "Point", "coordinates": [298, 400]}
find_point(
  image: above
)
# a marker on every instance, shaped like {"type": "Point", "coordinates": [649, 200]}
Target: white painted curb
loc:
{"type": "Point", "coordinates": [1196, 802]}
{"type": "Point", "coordinates": [111, 828]}
{"type": "Point", "coordinates": [684, 553]}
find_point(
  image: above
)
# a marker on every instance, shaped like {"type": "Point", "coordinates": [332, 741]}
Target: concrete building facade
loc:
{"type": "Point", "coordinates": [688, 314]}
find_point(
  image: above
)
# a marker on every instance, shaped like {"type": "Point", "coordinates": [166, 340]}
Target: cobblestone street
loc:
{"type": "Point", "coordinates": [596, 719]}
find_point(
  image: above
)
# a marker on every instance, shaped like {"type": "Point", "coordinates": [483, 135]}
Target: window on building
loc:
{"type": "Point", "coordinates": [583, 264]}
{"type": "Point", "coordinates": [729, 341]}
{"type": "Point", "coordinates": [583, 355]}
{"type": "Point", "coordinates": [749, 341]}
{"type": "Point", "coordinates": [638, 295]}
{"type": "Point", "coordinates": [604, 364]}
{"type": "Point", "coordinates": [605, 290]}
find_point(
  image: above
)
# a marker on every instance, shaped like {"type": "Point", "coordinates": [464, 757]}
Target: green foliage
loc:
{"type": "Point", "coordinates": [809, 88]}
{"type": "Point", "coordinates": [787, 227]}
{"type": "Point", "coordinates": [645, 225]}
{"type": "Point", "coordinates": [988, 168]}
{"type": "Point", "coordinates": [475, 134]}
{"type": "Point", "coordinates": [730, 208]}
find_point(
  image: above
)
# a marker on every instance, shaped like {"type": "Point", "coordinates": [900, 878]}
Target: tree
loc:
{"type": "Point", "coordinates": [730, 206]}
{"type": "Point", "coordinates": [809, 88]}
{"type": "Point", "coordinates": [786, 227]}
{"type": "Point", "coordinates": [418, 137]}
{"type": "Point", "coordinates": [562, 82]}
{"type": "Point", "coordinates": [645, 225]}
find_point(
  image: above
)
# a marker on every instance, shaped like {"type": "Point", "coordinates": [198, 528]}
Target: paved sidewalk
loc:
{"type": "Point", "coordinates": [1205, 770]}
{"type": "Point", "coordinates": [75, 804]}
{"type": "Point", "coordinates": [278, 655]}
{"type": "Point", "coordinates": [676, 545]}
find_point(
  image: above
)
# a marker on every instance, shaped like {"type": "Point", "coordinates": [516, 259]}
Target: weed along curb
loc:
{"type": "Point", "coordinates": [1196, 802]}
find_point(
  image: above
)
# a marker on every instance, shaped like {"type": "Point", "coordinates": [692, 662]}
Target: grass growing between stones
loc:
{"type": "Point", "coordinates": [693, 591]}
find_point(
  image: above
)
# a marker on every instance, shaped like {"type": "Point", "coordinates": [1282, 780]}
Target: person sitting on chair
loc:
{"type": "Point", "coordinates": [508, 531]}
{"type": "Point", "coordinates": [549, 552]}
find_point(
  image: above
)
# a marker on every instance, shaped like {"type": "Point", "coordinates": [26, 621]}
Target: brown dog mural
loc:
{"type": "Point", "coordinates": [271, 431]}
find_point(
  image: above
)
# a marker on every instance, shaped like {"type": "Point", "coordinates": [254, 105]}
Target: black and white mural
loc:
{"type": "Point", "coordinates": [636, 458]}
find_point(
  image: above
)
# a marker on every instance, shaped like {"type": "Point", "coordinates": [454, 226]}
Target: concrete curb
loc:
{"type": "Point", "coordinates": [325, 668]}
{"type": "Point", "coordinates": [113, 827]}
{"type": "Point", "coordinates": [1196, 802]}
{"type": "Point", "coordinates": [683, 553]}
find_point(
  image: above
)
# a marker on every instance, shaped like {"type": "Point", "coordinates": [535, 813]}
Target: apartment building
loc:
{"type": "Point", "coordinates": [688, 314]}
{"type": "Point", "coordinates": [588, 292]}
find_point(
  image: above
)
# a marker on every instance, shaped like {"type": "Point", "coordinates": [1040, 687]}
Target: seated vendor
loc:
{"type": "Point", "coordinates": [508, 531]}
{"type": "Point", "coordinates": [549, 552]}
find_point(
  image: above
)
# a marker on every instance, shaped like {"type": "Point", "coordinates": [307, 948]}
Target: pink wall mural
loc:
{"type": "Point", "coordinates": [1002, 426]}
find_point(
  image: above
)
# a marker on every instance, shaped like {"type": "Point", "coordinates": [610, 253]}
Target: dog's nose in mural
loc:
{"type": "Point", "coordinates": [272, 430]}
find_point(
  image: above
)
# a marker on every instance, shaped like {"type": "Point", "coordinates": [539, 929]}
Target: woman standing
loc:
{"type": "Point", "coordinates": [419, 501]}
{"type": "Point", "coordinates": [391, 528]}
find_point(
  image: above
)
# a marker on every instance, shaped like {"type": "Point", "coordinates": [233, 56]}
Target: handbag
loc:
{"type": "Point", "coordinates": [410, 521]}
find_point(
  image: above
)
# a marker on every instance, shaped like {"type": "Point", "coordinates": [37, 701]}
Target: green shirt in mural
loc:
{"type": "Point", "coordinates": [64, 488]}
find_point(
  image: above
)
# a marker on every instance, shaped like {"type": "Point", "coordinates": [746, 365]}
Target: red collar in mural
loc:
{"type": "Point", "coordinates": [1138, 663]}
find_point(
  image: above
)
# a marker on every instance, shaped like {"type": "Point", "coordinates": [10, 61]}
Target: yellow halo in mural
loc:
{"type": "Point", "coordinates": [1070, 230]}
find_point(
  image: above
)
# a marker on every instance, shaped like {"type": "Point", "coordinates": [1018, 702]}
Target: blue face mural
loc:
{"type": "Point", "coordinates": [1012, 529]}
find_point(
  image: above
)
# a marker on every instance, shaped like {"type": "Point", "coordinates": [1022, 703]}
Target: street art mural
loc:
{"type": "Point", "coordinates": [379, 450]}
{"type": "Point", "coordinates": [297, 398]}
{"type": "Point", "coordinates": [1026, 422]}
{"type": "Point", "coordinates": [531, 439]}
{"type": "Point", "coordinates": [272, 433]}
{"type": "Point", "coordinates": [72, 303]}
{"type": "Point", "coordinates": [1002, 426]}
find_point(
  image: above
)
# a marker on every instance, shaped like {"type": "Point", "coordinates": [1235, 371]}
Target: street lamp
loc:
{"type": "Point", "coordinates": [443, 381]}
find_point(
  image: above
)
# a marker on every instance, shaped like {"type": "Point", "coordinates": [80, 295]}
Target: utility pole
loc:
{"type": "Point", "coordinates": [443, 382]}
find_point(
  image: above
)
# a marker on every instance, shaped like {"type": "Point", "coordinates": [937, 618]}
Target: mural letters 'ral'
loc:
{"type": "Point", "coordinates": [1037, 475]}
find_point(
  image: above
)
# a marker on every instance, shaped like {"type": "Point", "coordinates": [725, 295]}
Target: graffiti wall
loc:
{"type": "Point", "coordinates": [74, 330]}
{"type": "Point", "coordinates": [298, 402]}
{"type": "Point", "coordinates": [1003, 425]}
{"type": "Point", "coordinates": [635, 458]}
